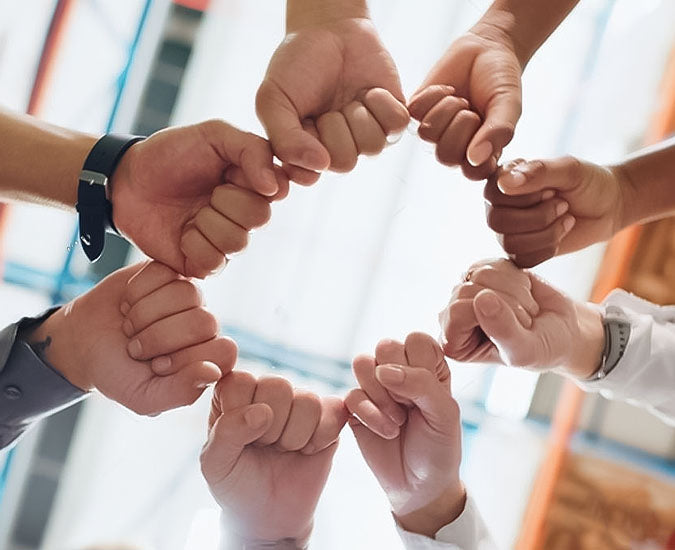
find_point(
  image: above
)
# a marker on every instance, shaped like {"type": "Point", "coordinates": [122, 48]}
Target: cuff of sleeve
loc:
{"type": "Point", "coordinates": [29, 388]}
{"type": "Point", "coordinates": [465, 533]}
{"type": "Point", "coordinates": [642, 315]}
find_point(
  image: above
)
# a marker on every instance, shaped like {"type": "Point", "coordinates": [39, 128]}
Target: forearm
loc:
{"type": "Point", "coordinates": [649, 183]}
{"type": "Point", "coordinates": [302, 13]}
{"type": "Point", "coordinates": [444, 510]}
{"type": "Point", "coordinates": [32, 389]}
{"type": "Point", "coordinates": [645, 374]}
{"type": "Point", "coordinates": [40, 162]}
{"type": "Point", "coordinates": [526, 24]}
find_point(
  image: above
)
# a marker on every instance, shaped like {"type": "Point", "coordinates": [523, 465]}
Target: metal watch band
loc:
{"type": "Point", "coordinates": [617, 333]}
{"type": "Point", "coordinates": [93, 205]}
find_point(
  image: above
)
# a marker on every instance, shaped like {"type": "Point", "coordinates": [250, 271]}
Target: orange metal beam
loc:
{"type": "Point", "coordinates": [612, 274]}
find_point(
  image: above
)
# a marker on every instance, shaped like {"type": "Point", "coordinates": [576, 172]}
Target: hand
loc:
{"type": "Point", "coordinates": [470, 102]}
{"type": "Point", "coordinates": [503, 315]}
{"type": "Point", "coordinates": [407, 426]}
{"type": "Point", "coordinates": [188, 196]}
{"type": "Point", "coordinates": [550, 207]}
{"type": "Point", "coordinates": [89, 346]}
{"type": "Point", "coordinates": [268, 455]}
{"type": "Point", "coordinates": [331, 92]}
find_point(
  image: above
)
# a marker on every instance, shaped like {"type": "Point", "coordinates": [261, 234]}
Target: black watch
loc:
{"type": "Point", "coordinates": [93, 203]}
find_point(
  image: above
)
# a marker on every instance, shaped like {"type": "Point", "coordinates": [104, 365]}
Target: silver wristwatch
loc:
{"type": "Point", "coordinates": [617, 332]}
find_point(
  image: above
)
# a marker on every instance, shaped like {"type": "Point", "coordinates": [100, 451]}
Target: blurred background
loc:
{"type": "Point", "coordinates": [356, 258]}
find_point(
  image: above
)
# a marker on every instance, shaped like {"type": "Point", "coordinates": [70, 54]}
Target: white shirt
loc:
{"type": "Point", "coordinates": [644, 376]}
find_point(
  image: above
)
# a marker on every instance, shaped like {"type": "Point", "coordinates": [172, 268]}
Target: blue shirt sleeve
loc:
{"type": "Point", "coordinates": [30, 389]}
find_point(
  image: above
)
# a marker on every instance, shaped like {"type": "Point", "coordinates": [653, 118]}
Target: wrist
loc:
{"type": "Point", "coordinates": [240, 537]}
{"type": "Point", "coordinates": [499, 26]}
{"type": "Point", "coordinates": [54, 336]}
{"type": "Point", "coordinates": [438, 513]}
{"type": "Point", "coordinates": [307, 13]}
{"type": "Point", "coordinates": [629, 209]}
{"type": "Point", "coordinates": [119, 192]}
{"type": "Point", "coordinates": [586, 358]}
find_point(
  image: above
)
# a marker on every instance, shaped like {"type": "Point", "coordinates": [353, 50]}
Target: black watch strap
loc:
{"type": "Point", "coordinates": [93, 206]}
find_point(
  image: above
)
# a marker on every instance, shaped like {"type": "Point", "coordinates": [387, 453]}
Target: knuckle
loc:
{"type": "Point", "coordinates": [495, 218]}
{"type": "Point", "coordinates": [220, 195]}
{"type": "Point", "coordinates": [260, 213]}
{"type": "Point", "coordinates": [310, 402]}
{"type": "Point", "coordinates": [276, 385]}
{"type": "Point", "coordinates": [510, 244]}
{"type": "Point", "coordinates": [574, 167]}
{"type": "Point", "coordinates": [446, 155]}
{"type": "Point", "coordinates": [204, 324]}
{"type": "Point", "coordinates": [482, 275]}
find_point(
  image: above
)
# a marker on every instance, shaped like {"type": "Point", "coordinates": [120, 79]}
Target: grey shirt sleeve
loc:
{"type": "Point", "coordinates": [30, 389]}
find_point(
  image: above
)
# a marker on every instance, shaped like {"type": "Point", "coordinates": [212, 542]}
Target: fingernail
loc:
{"type": "Point", "coordinates": [394, 138]}
{"type": "Point", "coordinates": [255, 417]}
{"type": "Point", "coordinates": [135, 348]}
{"type": "Point", "coordinates": [161, 364]}
{"type": "Point", "coordinates": [561, 209]}
{"type": "Point", "coordinates": [399, 416]}
{"type": "Point", "coordinates": [128, 328]}
{"type": "Point", "coordinates": [568, 224]}
{"type": "Point", "coordinates": [479, 154]}
{"type": "Point", "coordinates": [270, 181]}
{"type": "Point", "coordinates": [124, 308]}
{"type": "Point", "coordinates": [390, 375]}
{"type": "Point", "coordinates": [517, 178]}
{"type": "Point", "coordinates": [313, 161]}
{"type": "Point", "coordinates": [202, 385]}
{"type": "Point", "coordinates": [548, 194]}
{"type": "Point", "coordinates": [488, 304]}
{"type": "Point", "coordinates": [391, 432]}
{"type": "Point", "coordinates": [309, 449]}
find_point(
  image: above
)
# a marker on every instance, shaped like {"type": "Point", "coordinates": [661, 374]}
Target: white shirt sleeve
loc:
{"type": "Point", "coordinates": [645, 375]}
{"type": "Point", "coordinates": [467, 532]}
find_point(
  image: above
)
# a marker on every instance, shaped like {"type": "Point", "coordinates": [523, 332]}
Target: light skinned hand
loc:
{"type": "Point", "coordinates": [269, 451]}
{"type": "Point", "coordinates": [470, 102]}
{"type": "Point", "coordinates": [188, 196]}
{"type": "Point", "coordinates": [542, 208]}
{"type": "Point", "coordinates": [407, 426]}
{"type": "Point", "coordinates": [503, 315]}
{"type": "Point", "coordinates": [331, 93]}
{"type": "Point", "coordinates": [90, 348]}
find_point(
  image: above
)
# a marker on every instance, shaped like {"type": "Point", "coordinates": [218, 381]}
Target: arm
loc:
{"type": "Point", "coordinates": [303, 13]}
{"type": "Point", "coordinates": [331, 91]}
{"type": "Point", "coordinates": [89, 344]}
{"type": "Point", "coordinates": [524, 24]}
{"type": "Point", "coordinates": [645, 375]}
{"type": "Point", "coordinates": [650, 192]}
{"type": "Point", "coordinates": [31, 389]}
{"type": "Point", "coordinates": [542, 208]}
{"type": "Point", "coordinates": [470, 102]}
{"type": "Point", "coordinates": [407, 426]}
{"type": "Point", "coordinates": [485, 322]}
{"type": "Point", "coordinates": [270, 448]}
{"type": "Point", "coordinates": [186, 196]}
{"type": "Point", "coordinates": [52, 180]}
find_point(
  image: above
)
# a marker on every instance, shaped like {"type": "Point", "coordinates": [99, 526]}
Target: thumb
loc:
{"type": "Point", "coordinates": [230, 433]}
{"type": "Point", "coordinates": [422, 387]}
{"type": "Point", "coordinates": [290, 141]}
{"type": "Point", "coordinates": [499, 322]}
{"type": "Point", "coordinates": [497, 130]}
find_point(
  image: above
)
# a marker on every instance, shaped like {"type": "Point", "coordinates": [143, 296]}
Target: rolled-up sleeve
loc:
{"type": "Point", "coordinates": [645, 375]}
{"type": "Point", "coordinates": [467, 532]}
{"type": "Point", "coordinates": [30, 389]}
